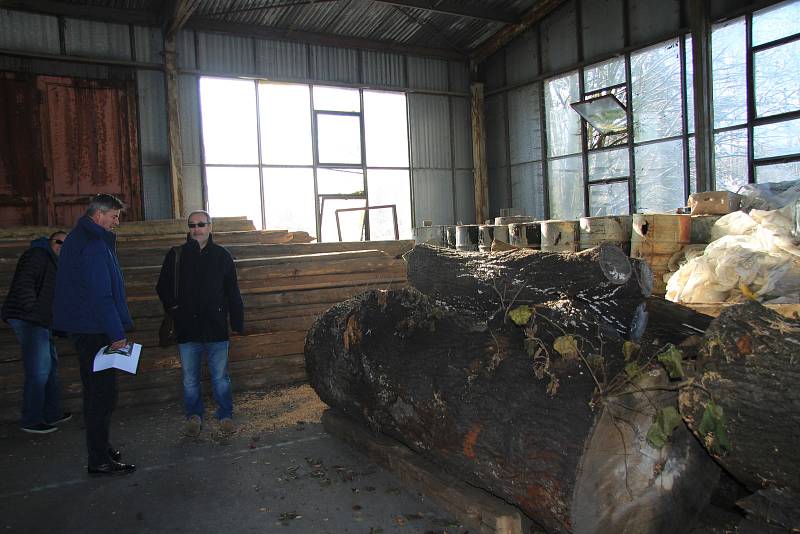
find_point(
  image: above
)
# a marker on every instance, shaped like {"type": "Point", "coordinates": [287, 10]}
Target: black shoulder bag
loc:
{"type": "Point", "coordinates": [166, 332]}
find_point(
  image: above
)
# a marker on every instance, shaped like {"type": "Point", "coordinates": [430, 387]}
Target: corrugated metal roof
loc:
{"type": "Point", "coordinates": [446, 25]}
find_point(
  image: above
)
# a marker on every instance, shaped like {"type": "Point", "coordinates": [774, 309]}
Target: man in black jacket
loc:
{"type": "Point", "coordinates": [205, 295]}
{"type": "Point", "coordinates": [28, 308]}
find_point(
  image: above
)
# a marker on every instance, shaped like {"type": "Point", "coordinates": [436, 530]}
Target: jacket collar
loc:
{"type": "Point", "coordinates": [192, 243]}
{"type": "Point", "coordinates": [95, 231]}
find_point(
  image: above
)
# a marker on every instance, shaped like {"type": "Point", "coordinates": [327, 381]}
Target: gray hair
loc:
{"type": "Point", "coordinates": [103, 203]}
{"type": "Point", "coordinates": [204, 212]}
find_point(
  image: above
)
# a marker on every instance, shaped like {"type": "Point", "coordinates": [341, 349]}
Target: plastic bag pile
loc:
{"type": "Point", "coordinates": [752, 255]}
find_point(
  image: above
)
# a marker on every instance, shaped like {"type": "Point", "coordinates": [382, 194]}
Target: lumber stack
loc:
{"type": "Point", "coordinates": [286, 283]}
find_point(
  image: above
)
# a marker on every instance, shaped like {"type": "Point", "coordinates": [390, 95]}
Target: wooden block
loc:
{"type": "Point", "coordinates": [478, 509]}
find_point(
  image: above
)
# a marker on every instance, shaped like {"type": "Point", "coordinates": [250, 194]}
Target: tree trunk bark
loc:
{"type": "Point", "coordinates": [748, 366]}
{"type": "Point", "coordinates": [500, 407]}
{"type": "Point", "coordinates": [477, 281]}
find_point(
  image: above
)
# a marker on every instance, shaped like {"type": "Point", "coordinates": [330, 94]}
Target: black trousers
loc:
{"type": "Point", "coordinates": [99, 396]}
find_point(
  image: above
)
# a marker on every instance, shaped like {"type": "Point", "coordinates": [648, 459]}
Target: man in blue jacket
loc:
{"type": "Point", "coordinates": [90, 306]}
{"type": "Point", "coordinates": [28, 308]}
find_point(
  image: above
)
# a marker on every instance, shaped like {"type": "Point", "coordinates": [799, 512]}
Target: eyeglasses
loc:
{"type": "Point", "coordinates": [58, 241]}
{"type": "Point", "coordinates": [200, 225]}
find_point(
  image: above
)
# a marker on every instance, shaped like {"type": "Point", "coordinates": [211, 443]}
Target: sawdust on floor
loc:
{"type": "Point", "coordinates": [266, 411]}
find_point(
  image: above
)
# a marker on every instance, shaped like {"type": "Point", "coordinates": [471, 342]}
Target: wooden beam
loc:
{"type": "Point", "coordinates": [479, 154]}
{"type": "Point", "coordinates": [480, 510]}
{"type": "Point", "coordinates": [703, 105]}
{"type": "Point", "coordinates": [459, 9]}
{"type": "Point", "coordinates": [264, 32]}
{"type": "Point", "coordinates": [173, 125]}
{"type": "Point", "coordinates": [175, 14]}
{"type": "Point", "coordinates": [505, 35]}
{"type": "Point", "coordinates": [93, 12]}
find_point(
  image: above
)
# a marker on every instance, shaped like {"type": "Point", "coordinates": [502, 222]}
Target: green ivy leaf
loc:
{"type": "Point", "coordinates": [632, 369]}
{"type": "Point", "coordinates": [664, 424]}
{"type": "Point", "coordinates": [521, 315]}
{"type": "Point", "coordinates": [672, 359]}
{"type": "Point", "coordinates": [531, 346]}
{"type": "Point", "coordinates": [629, 348]}
{"type": "Point", "coordinates": [567, 347]}
{"type": "Point", "coordinates": [712, 430]}
{"type": "Point", "coordinates": [656, 436]}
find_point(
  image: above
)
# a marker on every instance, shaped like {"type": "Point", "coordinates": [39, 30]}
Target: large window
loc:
{"type": "Point", "coordinates": [618, 134]}
{"type": "Point", "coordinates": [293, 156]}
{"type": "Point", "coordinates": [756, 92]}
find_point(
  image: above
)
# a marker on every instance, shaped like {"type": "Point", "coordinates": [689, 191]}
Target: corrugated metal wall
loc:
{"type": "Point", "coordinates": [439, 123]}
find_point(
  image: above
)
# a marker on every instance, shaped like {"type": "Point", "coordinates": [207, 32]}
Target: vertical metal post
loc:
{"type": "Point", "coordinates": [260, 158]}
{"type": "Point", "coordinates": [703, 103]}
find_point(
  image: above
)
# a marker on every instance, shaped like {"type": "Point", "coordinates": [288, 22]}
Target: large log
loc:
{"type": "Point", "coordinates": [560, 436]}
{"type": "Point", "coordinates": [747, 410]}
{"type": "Point", "coordinates": [481, 282]}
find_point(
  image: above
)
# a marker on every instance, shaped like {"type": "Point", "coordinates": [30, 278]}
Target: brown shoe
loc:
{"type": "Point", "coordinates": [226, 426]}
{"type": "Point", "coordinates": [192, 426]}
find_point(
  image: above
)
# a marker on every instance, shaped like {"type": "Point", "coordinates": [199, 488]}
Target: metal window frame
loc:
{"type": "Point", "coordinates": [315, 164]}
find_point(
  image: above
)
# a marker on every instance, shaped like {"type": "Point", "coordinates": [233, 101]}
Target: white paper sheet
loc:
{"type": "Point", "coordinates": [125, 359]}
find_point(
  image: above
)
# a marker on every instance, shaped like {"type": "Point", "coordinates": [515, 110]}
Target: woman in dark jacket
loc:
{"type": "Point", "coordinates": [28, 308]}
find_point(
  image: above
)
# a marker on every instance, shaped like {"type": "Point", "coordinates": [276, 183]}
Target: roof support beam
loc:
{"type": "Point", "coordinates": [451, 7]}
{"type": "Point", "coordinates": [175, 14]}
{"type": "Point", "coordinates": [506, 34]}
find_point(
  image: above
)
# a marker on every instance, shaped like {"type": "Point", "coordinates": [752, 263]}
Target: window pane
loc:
{"type": "Point", "coordinates": [779, 139]}
{"type": "Point", "coordinates": [777, 79]}
{"type": "Point", "coordinates": [285, 124]}
{"type": "Point", "coordinates": [595, 138]}
{"type": "Point", "coordinates": [730, 160]}
{"type": "Point", "coordinates": [566, 188]}
{"type": "Point", "coordinates": [608, 164]}
{"type": "Point", "coordinates": [351, 222]}
{"type": "Point", "coordinates": [728, 70]}
{"type": "Point", "coordinates": [608, 199]}
{"type": "Point", "coordinates": [563, 123]}
{"type": "Point", "coordinates": [600, 75]}
{"type": "Point", "coordinates": [775, 22]}
{"type": "Point", "coordinates": [289, 199]}
{"type": "Point", "coordinates": [228, 109]}
{"type": "Point", "coordinates": [336, 99]}
{"type": "Point", "coordinates": [234, 191]}
{"type": "Point", "coordinates": [689, 85]}
{"type": "Point", "coordinates": [656, 86]}
{"type": "Point", "coordinates": [659, 177]}
{"type": "Point", "coordinates": [781, 172]}
{"type": "Point", "coordinates": [389, 187]}
{"type": "Point", "coordinates": [692, 166]}
{"type": "Point", "coordinates": [340, 181]}
{"type": "Point", "coordinates": [338, 138]}
{"type": "Point", "coordinates": [386, 129]}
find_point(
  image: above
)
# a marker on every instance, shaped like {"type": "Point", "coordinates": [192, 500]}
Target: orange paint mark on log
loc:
{"type": "Point", "coordinates": [469, 441]}
{"type": "Point", "coordinates": [352, 333]}
{"type": "Point", "coordinates": [745, 345]}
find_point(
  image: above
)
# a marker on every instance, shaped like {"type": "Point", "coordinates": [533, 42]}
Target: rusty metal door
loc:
{"type": "Point", "coordinates": [89, 145]}
{"type": "Point", "coordinates": [22, 174]}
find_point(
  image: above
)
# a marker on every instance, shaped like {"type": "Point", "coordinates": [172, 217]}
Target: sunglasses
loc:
{"type": "Point", "coordinates": [58, 241]}
{"type": "Point", "coordinates": [199, 225]}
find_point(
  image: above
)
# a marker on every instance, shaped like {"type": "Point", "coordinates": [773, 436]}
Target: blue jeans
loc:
{"type": "Point", "coordinates": [191, 357]}
{"type": "Point", "coordinates": [41, 396]}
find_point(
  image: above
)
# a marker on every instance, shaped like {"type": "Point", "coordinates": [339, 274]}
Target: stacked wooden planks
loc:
{"type": "Point", "coordinates": [286, 283]}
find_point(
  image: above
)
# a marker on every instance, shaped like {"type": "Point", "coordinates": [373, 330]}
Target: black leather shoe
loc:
{"type": "Point", "coordinates": [115, 454]}
{"type": "Point", "coordinates": [111, 468]}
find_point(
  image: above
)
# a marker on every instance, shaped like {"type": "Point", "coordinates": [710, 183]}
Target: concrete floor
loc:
{"type": "Point", "coordinates": [279, 473]}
